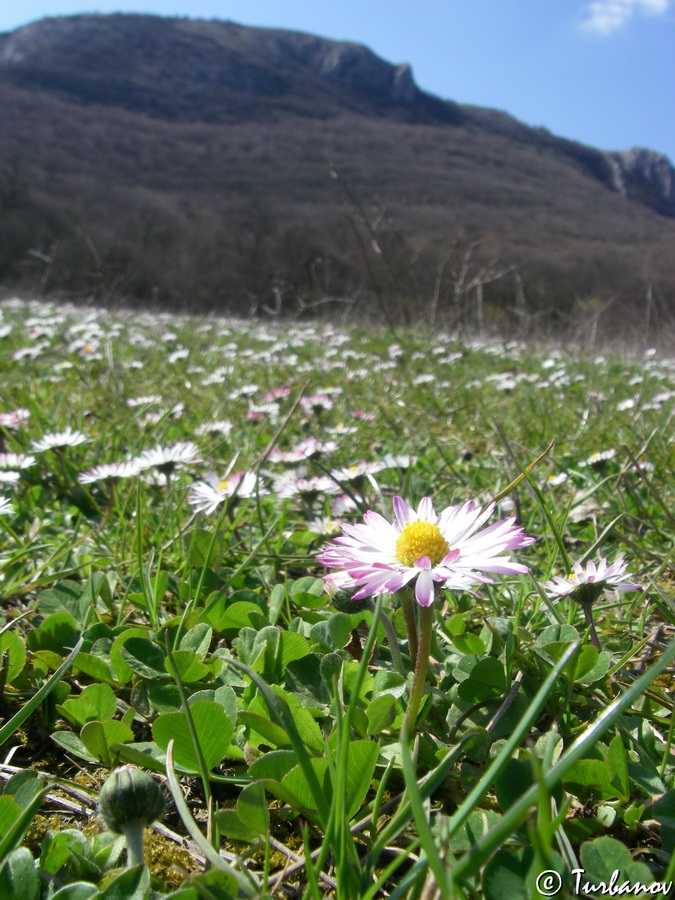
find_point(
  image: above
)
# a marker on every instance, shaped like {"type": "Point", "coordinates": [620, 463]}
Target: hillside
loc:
{"type": "Point", "coordinates": [210, 165]}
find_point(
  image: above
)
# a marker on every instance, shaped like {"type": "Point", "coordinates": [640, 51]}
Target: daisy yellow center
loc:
{"type": "Point", "coordinates": [223, 486]}
{"type": "Point", "coordinates": [421, 539]}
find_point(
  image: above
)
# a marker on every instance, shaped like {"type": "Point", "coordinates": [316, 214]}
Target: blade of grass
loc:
{"type": "Point", "coordinates": [19, 718]}
{"type": "Point", "coordinates": [216, 596]}
{"type": "Point", "coordinates": [282, 715]}
{"type": "Point", "coordinates": [519, 810]}
{"type": "Point", "coordinates": [17, 830]}
{"type": "Point", "coordinates": [424, 832]}
{"type": "Point", "coordinates": [516, 481]}
{"type": "Point", "coordinates": [194, 737]}
{"type": "Point", "coordinates": [650, 487]}
{"type": "Point", "coordinates": [486, 781]}
{"type": "Point", "coordinates": [245, 879]}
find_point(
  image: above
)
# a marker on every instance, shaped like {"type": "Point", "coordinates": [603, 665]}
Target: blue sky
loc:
{"type": "Point", "coordinates": [597, 71]}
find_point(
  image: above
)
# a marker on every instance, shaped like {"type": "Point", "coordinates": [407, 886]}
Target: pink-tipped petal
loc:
{"type": "Point", "coordinates": [424, 588]}
{"type": "Point", "coordinates": [402, 512]}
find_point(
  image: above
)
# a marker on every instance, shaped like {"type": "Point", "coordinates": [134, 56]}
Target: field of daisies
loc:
{"type": "Point", "coordinates": [292, 610]}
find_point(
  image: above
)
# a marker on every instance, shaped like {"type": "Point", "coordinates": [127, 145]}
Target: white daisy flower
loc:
{"type": "Point", "coordinates": [208, 494]}
{"type": "Point", "coordinates": [586, 584]}
{"type": "Point", "coordinates": [166, 459]}
{"type": "Point", "coordinates": [16, 461]}
{"type": "Point", "coordinates": [108, 470]}
{"type": "Point", "coordinates": [57, 440]}
{"type": "Point", "coordinates": [421, 546]}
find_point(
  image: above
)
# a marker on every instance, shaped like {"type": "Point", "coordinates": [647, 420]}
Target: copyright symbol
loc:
{"type": "Point", "coordinates": [549, 883]}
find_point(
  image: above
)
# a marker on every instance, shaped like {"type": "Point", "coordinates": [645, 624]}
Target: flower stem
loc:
{"type": "Point", "coordinates": [426, 621]}
{"type": "Point", "coordinates": [408, 608]}
{"type": "Point", "coordinates": [588, 618]}
{"type": "Point", "coordinates": [133, 832]}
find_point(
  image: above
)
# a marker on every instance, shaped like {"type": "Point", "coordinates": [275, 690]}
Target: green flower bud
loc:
{"type": "Point", "coordinates": [130, 795]}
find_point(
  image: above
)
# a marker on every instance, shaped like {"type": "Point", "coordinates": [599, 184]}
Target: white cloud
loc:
{"type": "Point", "coordinates": [605, 16]}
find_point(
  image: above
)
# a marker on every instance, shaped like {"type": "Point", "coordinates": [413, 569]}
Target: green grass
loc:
{"type": "Point", "coordinates": [201, 645]}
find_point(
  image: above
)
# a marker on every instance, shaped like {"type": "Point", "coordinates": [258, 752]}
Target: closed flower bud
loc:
{"type": "Point", "coordinates": [130, 796]}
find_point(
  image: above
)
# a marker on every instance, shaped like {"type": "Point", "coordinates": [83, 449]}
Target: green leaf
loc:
{"type": "Point", "coordinates": [79, 890]}
{"type": "Point", "coordinates": [144, 657]}
{"type": "Point", "coordinates": [597, 671]}
{"type": "Point", "coordinates": [96, 702]}
{"type": "Point", "coordinates": [246, 882]}
{"type": "Point", "coordinates": [486, 681]}
{"type": "Point", "coordinates": [513, 781]}
{"type": "Point", "coordinates": [199, 544]}
{"type": "Point", "coordinates": [269, 650]}
{"type": "Point", "coordinates": [65, 597]}
{"type": "Point", "coordinates": [305, 723]}
{"type": "Point", "coordinates": [588, 780]}
{"type": "Point", "coordinates": [188, 665]}
{"type": "Point", "coordinates": [296, 782]}
{"type": "Point", "coordinates": [276, 601]}
{"type": "Point", "coordinates": [469, 643]}
{"type": "Point", "coordinates": [39, 696]}
{"type": "Point", "coordinates": [230, 619]}
{"type": "Point", "coordinates": [19, 876]}
{"type": "Point", "coordinates": [94, 667]}
{"type": "Point", "coordinates": [226, 697]}
{"type": "Point", "coordinates": [214, 732]}
{"type": "Point", "coordinates": [252, 809]}
{"type": "Point", "coordinates": [477, 824]}
{"type": "Point", "coordinates": [604, 857]}
{"type": "Point", "coordinates": [14, 646]}
{"type": "Point", "coordinates": [386, 682]}
{"type": "Point", "coordinates": [122, 671]}
{"type": "Point", "coordinates": [564, 634]}
{"type": "Point", "coordinates": [617, 768]}
{"type": "Point", "coordinates": [230, 825]}
{"type": "Point", "coordinates": [293, 646]}
{"type": "Point", "coordinates": [333, 633]}
{"type": "Point", "coordinates": [258, 649]}
{"type": "Point", "coordinates": [16, 825]}
{"type": "Point", "coordinates": [304, 680]}
{"type": "Point", "coordinates": [142, 753]}
{"type": "Point", "coordinates": [478, 745]}
{"type": "Point", "coordinates": [262, 725]}
{"type": "Point", "coordinates": [308, 585]}
{"type": "Point", "coordinates": [273, 765]}
{"type": "Point", "coordinates": [362, 759]}
{"type": "Point", "coordinates": [9, 813]}
{"type": "Point", "coordinates": [664, 812]}
{"type": "Point", "coordinates": [456, 624]}
{"type": "Point", "coordinates": [72, 743]}
{"type": "Point", "coordinates": [648, 781]}
{"type": "Point", "coordinates": [56, 633]}
{"type": "Point", "coordinates": [351, 676]}
{"type": "Point", "coordinates": [130, 885]}
{"type": "Point", "coordinates": [198, 639]}
{"type": "Point", "coordinates": [23, 786]}
{"type": "Point", "coordinates": [381, 712]}
{"type": "Point", "coordinates": [98, 736]}
{"type": "Point", "coordinates": [58, 848]}
{"type": "Point", "coordinates": [50, 658]}
{"type": "Point", "coordinates": [214, 885]}
{"type": "Point", "coordinates": [505, 875]}
{"type": "Point", "coordinates": [164, 698]}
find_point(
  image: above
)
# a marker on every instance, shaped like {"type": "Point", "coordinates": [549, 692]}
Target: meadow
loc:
{"type": "Point", "coordinates": [331, 612]}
